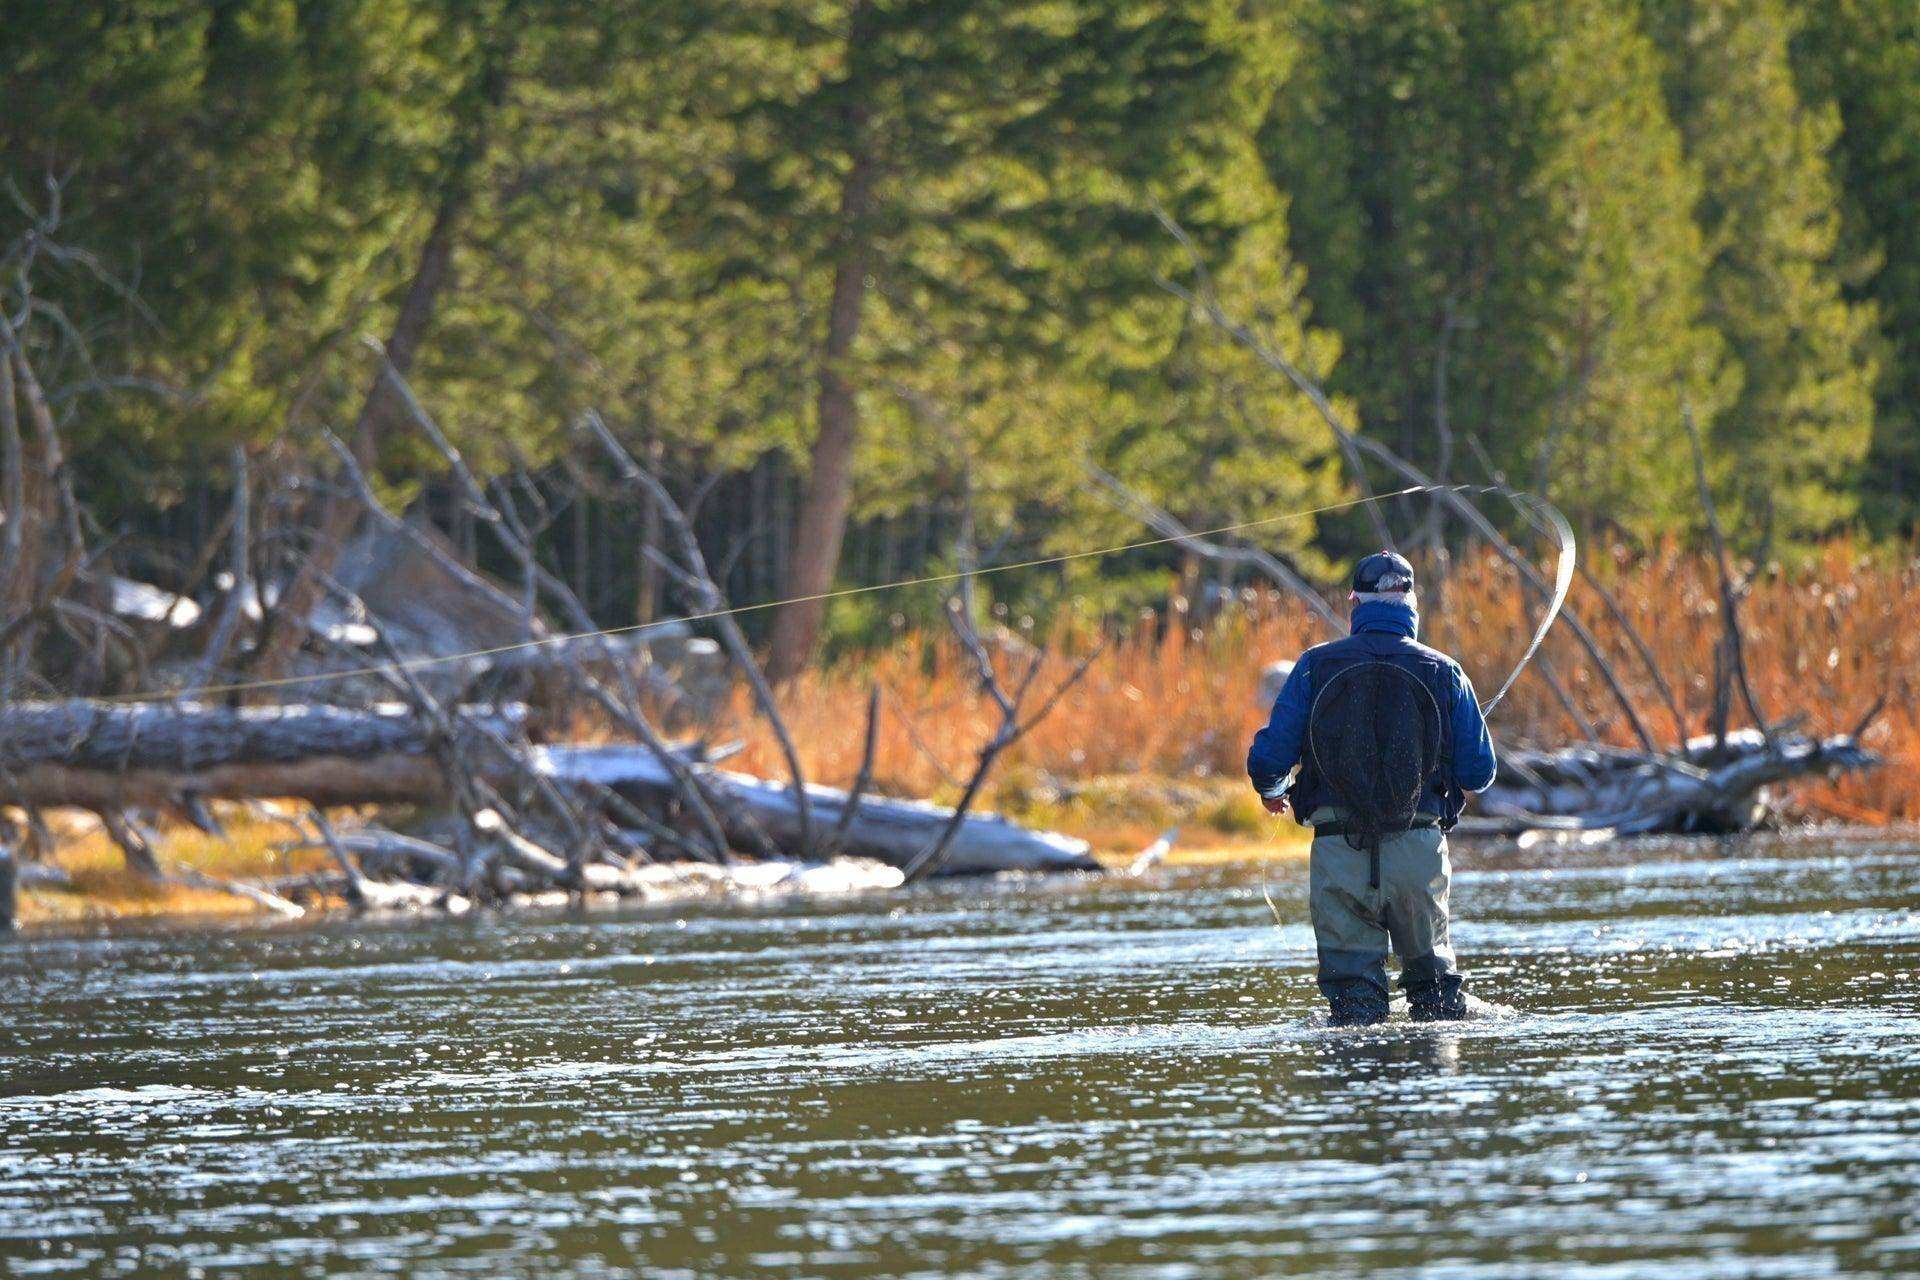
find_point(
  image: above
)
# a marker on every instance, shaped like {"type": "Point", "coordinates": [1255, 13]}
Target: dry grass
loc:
{"type": "Point", "coordinates": [103, 889]}
{"type": "Point", "coordinates": [1157, 733]}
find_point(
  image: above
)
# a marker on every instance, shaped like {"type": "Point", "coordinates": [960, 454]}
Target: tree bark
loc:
{"type": "Point", "coordinates": [822, 519]}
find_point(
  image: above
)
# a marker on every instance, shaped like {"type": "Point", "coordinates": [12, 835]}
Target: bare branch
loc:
{"type": "Point", "coordinates": [240, 562]}
{"type": "Point", "coordinates": [1163, 523]}
{"type": "Point", "coordinates": [1209, 305]}
{"type": "Point", "coordinates": [709, 599]}
{"type": "Point", "coordinates": [862, 778]}
{"type": "Point", "coordinates": [1735, 643]}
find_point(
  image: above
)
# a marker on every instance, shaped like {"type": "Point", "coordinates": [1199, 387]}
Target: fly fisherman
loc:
{"type": "Point", "coordinates": [1388, 738]}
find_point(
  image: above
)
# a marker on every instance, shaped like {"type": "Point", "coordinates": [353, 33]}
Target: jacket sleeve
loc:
{"type": "Point", "coordinates": [1276, 748]}
{"type": "Point", "coordinates": [1473, 761]}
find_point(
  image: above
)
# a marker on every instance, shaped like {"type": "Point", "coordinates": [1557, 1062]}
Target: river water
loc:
{"type": "Point", "coordinates": [1714, 1071]}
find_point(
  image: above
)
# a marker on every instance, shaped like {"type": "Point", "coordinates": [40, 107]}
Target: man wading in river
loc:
{"type": "Point", "coordinates": [1389, 739]}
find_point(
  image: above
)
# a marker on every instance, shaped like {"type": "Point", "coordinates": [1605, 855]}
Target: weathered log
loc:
{"type": "Point", "coordinates": [891, 831]}
{"type": "Point", "coordinates": [109, 757]}
{"type": "Point", "coordinates": [1709, 786]}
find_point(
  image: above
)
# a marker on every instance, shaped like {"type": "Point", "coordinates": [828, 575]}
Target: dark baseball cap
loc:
{"type": "Point", "coordinates": [1382, 571]}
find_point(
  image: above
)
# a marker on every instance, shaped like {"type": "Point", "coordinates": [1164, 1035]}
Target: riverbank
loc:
{"type": "Point", "coordinates": [1121, 817]}
{"type": "Point", "coordinates": [1154, 737]}
{"type": "Point", "coordinates": [88, 880]}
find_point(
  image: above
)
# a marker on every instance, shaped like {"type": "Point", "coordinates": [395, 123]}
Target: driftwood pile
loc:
{"type": "Point", "coordinates": [1708, 786]}
{"type": "Point", "coordinates": [333, 652]}
{"type": "Point", "coordinates": [639, 817]}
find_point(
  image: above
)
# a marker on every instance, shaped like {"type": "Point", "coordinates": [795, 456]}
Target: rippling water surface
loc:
{"type": "Point", "coordinates": [1714, 1071]}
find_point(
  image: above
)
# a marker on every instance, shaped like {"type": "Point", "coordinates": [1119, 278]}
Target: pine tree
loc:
{"type": "Point", "coordinates": [918, 157]}
{"type": "Point", "coordinates": [1492, 208]}
{"type": "Point", "coordinates": [1790, 445]}
{"type": "Point", "coordinates": [1864, 56]}
{"type": "Point", "coordinates": [1629, 342]}
{"type": "Point", "coordinates": [238, 168]}
{"type": "Point", "coordinates": [1207, 431]}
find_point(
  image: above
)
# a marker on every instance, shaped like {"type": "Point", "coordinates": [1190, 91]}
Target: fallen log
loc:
{"type": "Point", "coordinates": [109, 756]}
{"type": "Point", "coordinates": [895, 832]}
{"type": "Point", "coordinates": [1709, 786]}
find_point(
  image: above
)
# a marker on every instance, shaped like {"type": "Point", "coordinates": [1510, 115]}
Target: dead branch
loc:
{"type": "Point", "coordinates": [625, 708]}
{"type": "Point", "coordinates": [862, 779]}
{"type": "Point", "coordinates": [240, 561]}
{"type": "Point", "coordinates": [511, 531]}
{"type": "Point", "coordinates": [1732, 641]}
{"type": "Point", "coordinates": [356, 894]}
{"type": "Point", "coordinates": [455, 738]}
{"type": "Point", "coordinates": [1614, 610]}
{"type": "Point", "coordinates": [1165, 524]}
{"type": "Point", "coordinates": [1010, 729]}
{"type": "Point", "coordinates": [136, 843]}
{"type": "Point", "coordinates": [706, 596]}
{"type": "Point", "coordinates": [1434, 536]}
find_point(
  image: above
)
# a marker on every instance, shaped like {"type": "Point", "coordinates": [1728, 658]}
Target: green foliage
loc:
{"type": "Point", "coordinates": [1864, 56]}
{"type": "Point", "coordinates": [1539, 227]}
{"type": "Point", "coordinates": [237, 169]}
{"type": "Point", "coordinates": [1493, 212]}
{"type": "Point", "coordinates": [1791, 442]}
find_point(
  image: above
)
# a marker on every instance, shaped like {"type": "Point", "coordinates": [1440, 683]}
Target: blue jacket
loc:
{"type": "Point", "coordinates": [1276, 748]}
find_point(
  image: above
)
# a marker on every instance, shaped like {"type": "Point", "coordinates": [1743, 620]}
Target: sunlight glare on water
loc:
{"type": "Point", "coordinates": [1714, 1070]}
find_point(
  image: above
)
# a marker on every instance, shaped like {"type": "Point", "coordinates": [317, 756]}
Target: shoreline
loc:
{"type": "Point", "coordinates": [117, 903]}
{"type": "Point", "coordinates": [698, 883]}
{"type": "Point", "coordinates": [96, 892]}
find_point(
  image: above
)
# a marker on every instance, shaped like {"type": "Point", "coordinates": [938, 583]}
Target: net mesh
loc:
{"type": "Point", "coordinates": [1374, 733]}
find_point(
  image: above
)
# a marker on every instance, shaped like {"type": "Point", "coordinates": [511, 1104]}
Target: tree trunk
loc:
{"type": "Point", "coordinates": [822, 519]}
{"type": "Point", "coordinates": [8, 881]}
{"type": "Point", "coordinates": [430, 277]}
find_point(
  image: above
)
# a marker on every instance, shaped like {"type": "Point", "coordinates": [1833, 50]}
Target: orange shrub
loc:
{"type": "Point", "coordinates": [1176, 701]}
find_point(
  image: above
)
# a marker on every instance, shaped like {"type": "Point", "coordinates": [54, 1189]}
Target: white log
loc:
{"type": "Point", "coordinates": [111, 757]}
{"type": "Point", "coordinates": [890, 831]}
{"type": "Point", "coordinates": [1707, 788]}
